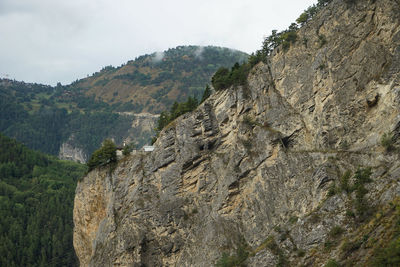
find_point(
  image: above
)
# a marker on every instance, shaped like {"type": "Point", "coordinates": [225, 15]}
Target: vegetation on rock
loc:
{"type": "Point", "coordinates": [387, 141]}
{"type": "Point", "coordinates": [237, 75]}
{"type": "Point", "coordinates": [179, 109]}
{"type": "Point", "coordinates": [106, 154]}
{"type": "Point", "coordinates": [236, 259]}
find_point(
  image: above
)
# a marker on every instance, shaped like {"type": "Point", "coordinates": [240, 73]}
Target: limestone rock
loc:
{"type": "Point", "coordinates": [256, 165]}
{"type": "Point", "coordinates": [70, 151]}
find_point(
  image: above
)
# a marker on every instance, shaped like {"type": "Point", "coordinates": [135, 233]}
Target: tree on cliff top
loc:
{"type": "Point", "coordinates": [106, 154]}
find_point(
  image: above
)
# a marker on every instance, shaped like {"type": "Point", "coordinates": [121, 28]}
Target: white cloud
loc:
{"type": "Point", "coordinates": [198, 52]}
{"type": "Point", "coordinates": [49, 41]}
{"type": "Point", "coordinates": [157, 57]}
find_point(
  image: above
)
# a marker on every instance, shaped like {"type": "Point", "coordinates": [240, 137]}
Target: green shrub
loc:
{"type": "Point", "coordinates": [177, 110]}
{"type": "Point", "coordinates": [336, 231]}
{"type": "Point", "coordinates": [350, 213]}
{"type": "Point", "coordinates": [235, 260]}
{"type": "Point", "coordinates": [322, 3]}
{"type": "Point", "coordinates": [224, 78]}
{"type": "Point", "coordinates": [249, 121]}
{"type": "Point", "coordinates": [206, 93]}
{"type": "Point", "coordinates": [256, 57]}
{"type": "Point", "coordinates": [328, 245]}
{"type": "Point", "coordinates": [322, 40]}
{"type": "Point", "coordinates": [104, 155]}
{"type": "Point", "coordinates": [220, 79]}
{"type": "Point", "coordinates": [332, 190]}
{"type": "Point", "coordinates": [311, 11]}
{"type": "Point", "coordinates": [387, 256]}
{"type": "Point", "coordinates": [127, 149]}
{"type": "Point", "coordinates": [332, 263]}
{"type": "Point", "coordinates": [293, 219]}
{"type": "Point", "coordinates": [288, 38]}
{"type": "Point", "coordinates": [344, 182]}
{"type": "Point", "coordinates": [301, 253]}
{"type": "Point", "coordinates": [284, 38]}
{"type": "Point", "coordinates": [387, 141]}
{"type": "Point", "coordinates": [350, 246]}
{"type": "Point", "coordinates": [362, 177]}
{"type": "Point", "coordinates": [304, 17]}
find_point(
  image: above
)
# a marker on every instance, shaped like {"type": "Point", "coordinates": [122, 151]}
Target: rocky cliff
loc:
{"type": "Point", "coordinates": [288, 170]}
{"type": "Point", "coordinates": [69, 150]}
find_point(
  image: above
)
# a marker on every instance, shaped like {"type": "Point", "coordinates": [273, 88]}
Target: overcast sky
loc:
{"type": "Point", "coordinates": [50, 41]}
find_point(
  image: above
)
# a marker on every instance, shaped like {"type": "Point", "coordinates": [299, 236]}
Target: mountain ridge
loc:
{"type": "Point", "coordinates": [169, 76]}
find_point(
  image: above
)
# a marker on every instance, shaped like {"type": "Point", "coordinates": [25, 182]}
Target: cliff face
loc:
{"type": "Point", "coordinates": [260, 166]}
{"type": "Point", "coordinates": [70, 151]}
{"type": "Point", "coordinates": [142, 129]}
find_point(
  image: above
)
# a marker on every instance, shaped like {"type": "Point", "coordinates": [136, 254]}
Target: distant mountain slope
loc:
{"type": "Point", "coordinates": [33, 115]}
{"type": "Point", "coordinates": [153, 82]}
{"type": "Point", "coordinates": [76, 118]}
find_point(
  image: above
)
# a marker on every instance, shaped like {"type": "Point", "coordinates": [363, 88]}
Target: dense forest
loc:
{"type": "Point", "coordinates": [32, 114]}
{"type": "Point", "coordinates": [36, 202]}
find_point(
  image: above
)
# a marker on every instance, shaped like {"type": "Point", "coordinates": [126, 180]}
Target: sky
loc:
{"type": "Point", "coordinates": [50, 41]}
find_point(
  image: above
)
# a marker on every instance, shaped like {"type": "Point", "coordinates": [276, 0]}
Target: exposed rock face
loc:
{"type": "Point", "coordinates": [69, 151]}
{"type": "Point", "coordinates": [142, 129]}
{"type": "Point", "coordinates": [250, 159]}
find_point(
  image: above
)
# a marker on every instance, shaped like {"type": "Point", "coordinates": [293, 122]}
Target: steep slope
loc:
{"type": "Point", "coordinates": [288, 170]}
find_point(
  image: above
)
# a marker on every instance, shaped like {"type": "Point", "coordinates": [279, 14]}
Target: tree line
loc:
{"type": "Point", "coordinates": [179, 109]}
{"type": "Point", "coordinates": [237, 75]}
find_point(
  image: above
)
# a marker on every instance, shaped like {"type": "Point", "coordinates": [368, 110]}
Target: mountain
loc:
{"type": "Point", "coordinates": [36, 201]}
{"type": "Point", "coordinates": [71, 121]}
{"type": "Point", "coordinates": [152, 83]}
{"type": "Point", "coordinates": [297, 166]}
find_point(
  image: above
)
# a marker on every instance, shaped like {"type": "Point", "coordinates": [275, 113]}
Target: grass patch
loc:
{"type": "Point", "coordinates": [322, 40]}
{"type": "Point", "coordinates": [236, 259]}
{"type": "Point", "coordinates": [336, 231]}
{"type": "Point", "coordinates": [332, 263]}
{"type": "Point", "coordinates": [332, 190]}
{"type": "Point", "coordinates": [387, 141]}
{"type": "Point", "coordinates": [271, 245]}
{"type": "Point", "coordinates": [344, 182]}
{"type": "Point", "coordinates": [349, 247]}
{"type": "Point", "coordinates": [293, 219]}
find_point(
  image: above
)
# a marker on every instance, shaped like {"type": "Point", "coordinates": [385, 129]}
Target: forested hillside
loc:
{"type": "Point", "coordinates": [36, 200]}
{"type": "Point", "coordinates": [154, 82]}
{"type": "Point", "coordinates": [88, 111]}
{"type": "Point", "coordinates": [32, 114]}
